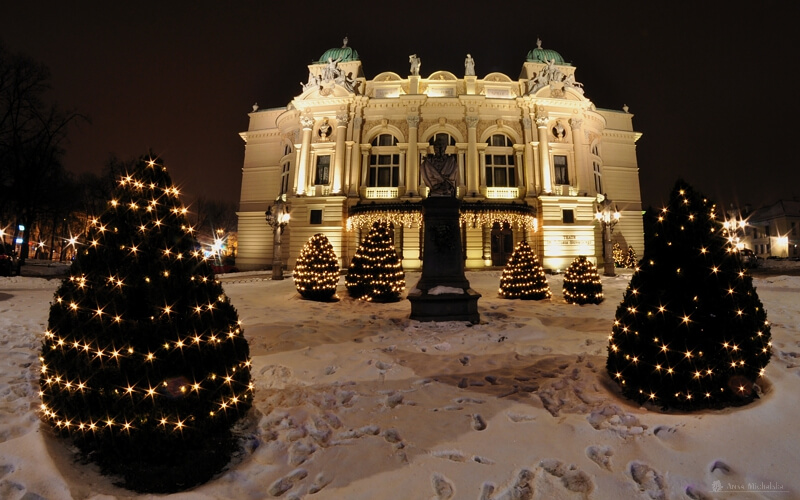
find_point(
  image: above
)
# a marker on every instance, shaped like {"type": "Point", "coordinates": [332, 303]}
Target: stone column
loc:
{"type": "Point", "coordinates": [305, 150]}
{"type": "Point", "coordinates": [531, 182]}
{"type": "Point", "coordinates": [472, 168]}
{"type": "Point", "coordinates": [544, 152]}
{"type": "Point", "coordinates": [520, 180]}
{"type": "Point", "coordinates": [355, 158]}
{"type": "Point", "coordinates": [338, 160]}
{"type": "Point", "coordinates": [412, 159]}
{"type": "Point", "coordinates": [583, 172]}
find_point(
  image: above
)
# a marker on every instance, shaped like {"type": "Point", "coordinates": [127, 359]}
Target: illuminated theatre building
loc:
{"type": "Point", "coordinates": [533, 154]}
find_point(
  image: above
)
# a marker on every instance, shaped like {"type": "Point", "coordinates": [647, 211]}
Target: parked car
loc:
{"type": "Point", "coordinates": [8, 260]}
{"type": "Point", "coordinates": [749, 258]}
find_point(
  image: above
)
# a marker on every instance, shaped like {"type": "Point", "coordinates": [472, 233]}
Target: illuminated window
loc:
{"type": "Point", "coordinates": [285, 177]}
{"type": "Point", "coordinates": [323, 170]}
{"type": "Point", "coordinates": [500, 168]}
{"type": "Point", "coordinates": [560, 166]}
{"type": "Point", "coordinates": [598, 177]}
{"type": "Point", "coordinates": [384, 163]}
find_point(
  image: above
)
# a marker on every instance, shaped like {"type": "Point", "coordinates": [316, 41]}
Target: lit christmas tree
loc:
{"type": "Point", "coordinates": [376, 272]}
{"type": "Point", "coordinates": [523, 276]}
{"type": "Point", "coordinates": [690, 332]}
{"type": "Point", "coordinates": [582, 283]}
{"type": "Point", "coordinates": [316, 273]}
{"type": "Point", "coordinates": [631, 261]}
{"type": "Point", "coordinates": [144, 362]}
{"type": "Point", "coordinates": [619, 257]}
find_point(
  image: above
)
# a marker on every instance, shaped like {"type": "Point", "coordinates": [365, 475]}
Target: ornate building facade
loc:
{"type": "Point", "coordinates": [533, 154]}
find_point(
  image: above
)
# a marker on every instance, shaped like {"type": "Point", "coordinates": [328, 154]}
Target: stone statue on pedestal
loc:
{"type": "Point", "coordinates": [440, 171]}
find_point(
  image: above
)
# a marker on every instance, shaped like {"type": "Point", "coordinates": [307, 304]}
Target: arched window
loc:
{"type": "Point", "coordinates": [384, 162]}
{"type": "Point", "coordinates": [450, 140]}
{"type": "Point", "coordinates": [500, 171]}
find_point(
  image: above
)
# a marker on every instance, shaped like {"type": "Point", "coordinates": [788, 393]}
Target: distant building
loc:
{"type": "Point", "coordinates": [533, 154]}
{"type": "Point", "coordinates": [772, 231]}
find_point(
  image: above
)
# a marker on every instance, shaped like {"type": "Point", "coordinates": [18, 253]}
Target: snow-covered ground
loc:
{"type": "Point", "coordinates": [356, 401]}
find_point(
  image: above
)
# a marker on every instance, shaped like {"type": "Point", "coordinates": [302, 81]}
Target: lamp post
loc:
{"type": "Point", "coordinates": [607, 214]}
{"type": "Point", "coordinates": [277, 217]}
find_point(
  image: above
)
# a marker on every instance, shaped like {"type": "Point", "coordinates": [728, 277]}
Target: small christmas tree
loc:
{"type": "Point", "coordinates": [144, 363]}
{"type": "Point", "coordinates": [619, 257]}
{"type": "Point", "coordinates": [523, 276]}
{"type": "Point", "coordinates": [631, 261]}
{"type": "Point", "coordinates": [691, 331]}
{"type": "Point", "coordinates": [582, 283]}
{"type": "Point", "coordinates": [376, 272]}
{"type": "Point", "coordinates": [316, 274]}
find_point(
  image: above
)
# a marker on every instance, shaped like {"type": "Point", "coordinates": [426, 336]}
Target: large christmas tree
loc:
{"type": "Point", "coordinates": [690, 332]}
{"type": "Point", "coordinates": [376, 271]}
{"type": "Point", "coordinates": [523, 276]}
{"type": "Point", "coordinates": [316, 273]}
{"type": "Point", "coordinates": [582, 284]}
{"type": "Point", "coordinates": [144, 362]}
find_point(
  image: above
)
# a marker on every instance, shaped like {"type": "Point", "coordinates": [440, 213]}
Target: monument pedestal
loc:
{"type": "Point", "coordinates": [443, 292]}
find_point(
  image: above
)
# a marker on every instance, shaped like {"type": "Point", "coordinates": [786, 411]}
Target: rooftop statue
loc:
{"type": "Point", "coordinates": [469, 66]}
{"type": "Point", "coordinates": [416, 62]}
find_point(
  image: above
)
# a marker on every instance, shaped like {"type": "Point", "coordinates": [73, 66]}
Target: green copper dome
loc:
{"type": "Point", "coordinates": [545, 55]}
{"type": "Point", "coordinates": [341, 54]}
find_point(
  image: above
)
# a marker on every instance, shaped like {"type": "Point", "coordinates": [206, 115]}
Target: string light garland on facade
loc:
{"type": "Point", "coordinates": [473, 214]}
{"type": "Point", "coordinates": [690, 332]}
{"type": "Point", "coordinates": [144, 360]}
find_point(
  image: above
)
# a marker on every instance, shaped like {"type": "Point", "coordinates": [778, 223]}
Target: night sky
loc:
{"type": "Point", "coordinates": [713, 91]}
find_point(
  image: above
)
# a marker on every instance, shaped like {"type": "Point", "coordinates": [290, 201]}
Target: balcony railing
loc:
{"type": "Point", "coordinates": [502, 193]}
{"type": "Point", "coordinates": [565, 190]}
{"type": "Point", "coordinates": [381, 193]}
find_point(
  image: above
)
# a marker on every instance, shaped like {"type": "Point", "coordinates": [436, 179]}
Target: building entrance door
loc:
{"type": "Point", "coordinates": [502, 244]}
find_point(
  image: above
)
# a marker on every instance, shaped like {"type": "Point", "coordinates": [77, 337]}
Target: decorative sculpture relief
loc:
{"type": "Point", "coordinates": [552, 76]}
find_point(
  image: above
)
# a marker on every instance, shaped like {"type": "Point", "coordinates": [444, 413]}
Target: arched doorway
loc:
{"type": "Point", "coordinates": [502, 243]}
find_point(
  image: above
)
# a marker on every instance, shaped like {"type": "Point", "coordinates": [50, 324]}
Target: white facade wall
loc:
{"type": "Point", "coordinates": [331, 124]}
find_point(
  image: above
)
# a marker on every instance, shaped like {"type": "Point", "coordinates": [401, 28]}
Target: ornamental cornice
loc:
{"type": "Point", "coordinates": [259, 135]}
{"type": "Point", "coordinates": [621, 134]}
{"type": "Point", "coordinates": [324, 102]}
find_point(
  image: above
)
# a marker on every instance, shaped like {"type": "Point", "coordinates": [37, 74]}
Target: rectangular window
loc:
{"type": "Point", "coordinates": [568, 216]}
{"type": "Point", "coordinates": [323, 170]}
{"type": "Point", "coordinates": [315, 217]}
{"type": "Point", "coordinates": [598, 179]}
{"type": "Point", "coordinates": [500, 171]}
{"type": "Point", "coordinates": [766, 231]}
{"type": "Point", "coordinates": [285, 178]}
{"type": "Point", "coordinates": [384, 170]}
{"type": "Point", "coordinates": [560, 165]}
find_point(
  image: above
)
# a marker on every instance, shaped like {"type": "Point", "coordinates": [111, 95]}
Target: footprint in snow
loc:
{"type": "Point", "coordinates": [478, 423]}
{"type": "Point", "coordinates": [601, 455]}
{"type": "Point", "coordinates": [649, 480]}
{"type": "Point", "coordinates": [443, 488]}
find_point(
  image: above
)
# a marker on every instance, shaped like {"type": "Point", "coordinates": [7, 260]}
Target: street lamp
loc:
{"type": "Point", "coordinates": [607, 215]}
{"type": "Point", "coordinates": [277, 217]}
